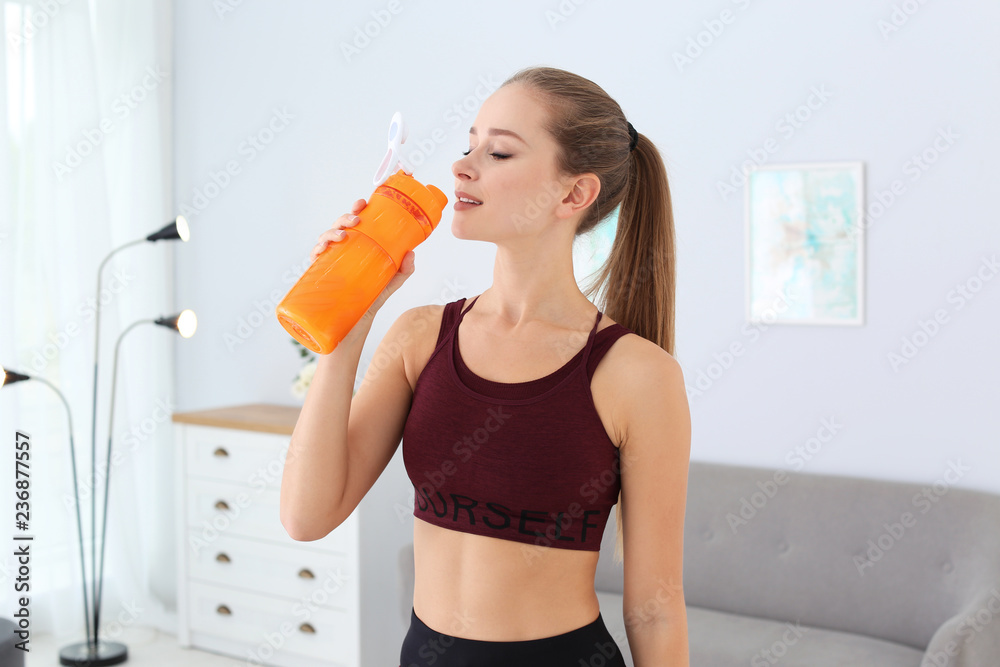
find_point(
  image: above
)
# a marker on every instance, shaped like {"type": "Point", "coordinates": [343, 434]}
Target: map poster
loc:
{"type": "Point", "coordinates": [805, 243]}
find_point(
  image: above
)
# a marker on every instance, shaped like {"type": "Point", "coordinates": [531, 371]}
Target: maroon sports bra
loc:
{"type": "Point", "coordinates": [525, 461]}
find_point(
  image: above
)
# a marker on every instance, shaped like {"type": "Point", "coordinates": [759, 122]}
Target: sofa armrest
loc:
{"type": "Point", "coordinates": [407, 582]}
{"type": "Point", "coordinates": [970, 638]}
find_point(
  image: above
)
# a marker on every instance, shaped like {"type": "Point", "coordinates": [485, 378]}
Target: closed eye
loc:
{"type": "Point", "coordinates": [498, 156]}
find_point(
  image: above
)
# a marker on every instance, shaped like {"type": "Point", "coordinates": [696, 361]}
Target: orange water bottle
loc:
{"type": "Point", "coordinates": [339, 287]}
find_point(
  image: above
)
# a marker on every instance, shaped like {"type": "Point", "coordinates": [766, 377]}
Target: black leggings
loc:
{"type": "Point", "coordinates": [589, 645]}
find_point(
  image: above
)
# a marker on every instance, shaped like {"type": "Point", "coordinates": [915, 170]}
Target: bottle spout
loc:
{"type": "Point", "coordinates": [439, 197]}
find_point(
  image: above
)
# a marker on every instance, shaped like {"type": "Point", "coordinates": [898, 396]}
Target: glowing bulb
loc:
{"type": "Point", "coordinates": [187, 323]}
{"type": "Point", "coordinates": [182, 228]}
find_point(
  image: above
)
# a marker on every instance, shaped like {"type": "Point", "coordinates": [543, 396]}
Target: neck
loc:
{"type": "Point", "coordinates": [535, 285]}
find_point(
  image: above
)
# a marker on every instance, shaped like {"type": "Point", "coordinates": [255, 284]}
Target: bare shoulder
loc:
{"type": "Point", "coordinates": [639, 376]}
{"type": "Point", "coordinates": [416, 336]}
{"type": "Point", "coordinates": [632, 352]}
{"type": "Point", "coordinates": [632, 360]}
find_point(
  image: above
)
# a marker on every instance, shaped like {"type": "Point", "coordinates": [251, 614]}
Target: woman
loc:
{"type": "Point", "coordinates": [524, 429]}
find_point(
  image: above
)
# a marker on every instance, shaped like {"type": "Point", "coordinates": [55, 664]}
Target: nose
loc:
{"type": "Point", "coordinates": [461, 168]}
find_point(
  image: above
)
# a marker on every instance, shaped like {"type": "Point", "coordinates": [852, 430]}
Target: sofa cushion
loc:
{"type": "Point", "coordinates": [720, 639]}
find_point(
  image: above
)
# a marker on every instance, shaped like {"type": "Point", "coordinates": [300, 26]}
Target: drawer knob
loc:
{"type": "Point", "coordinates": [221, 452]}
{"type": "Point", "coordinates": [224, 610]}
{"type": "Point", "coordinates": [306, 573]}
{"type": "Point", "coordinates": [222, 505]}
{"type": "Point", "coordinates": [222, 558]}
{"type": "Point", "coordinates": [305, 627]}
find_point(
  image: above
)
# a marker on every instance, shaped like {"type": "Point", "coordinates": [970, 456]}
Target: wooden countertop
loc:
{"type": "Point", "coordinates": [263, 417]}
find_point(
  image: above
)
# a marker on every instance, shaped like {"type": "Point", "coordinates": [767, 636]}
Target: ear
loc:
{"type": "Point", "coordinates": [583, 191]}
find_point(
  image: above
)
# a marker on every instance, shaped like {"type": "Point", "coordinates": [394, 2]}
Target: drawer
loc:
{"type": "Point", "coordinates": [244, 457]}
{"type": "Point", "coordinates": [270, 625]}
{"type": "Point", "coordinates": [326, 580]}
{"type": "Point", "coordinates": [222, 508]}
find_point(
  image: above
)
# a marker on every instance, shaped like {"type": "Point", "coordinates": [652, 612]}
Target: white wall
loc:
{"type": "Point", "coordinates": [889, 97]}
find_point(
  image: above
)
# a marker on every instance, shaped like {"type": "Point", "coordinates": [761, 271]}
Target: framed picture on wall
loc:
{"type": "Point", "coordinates": [805, 243]}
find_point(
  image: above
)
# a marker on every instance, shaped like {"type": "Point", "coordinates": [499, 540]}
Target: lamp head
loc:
{"type": "Point", "coordinates": [185, 322]}
{"type": "Point", "coordinates": [10, 377]}
{"type": "Point", "coordinates": [178, 229]}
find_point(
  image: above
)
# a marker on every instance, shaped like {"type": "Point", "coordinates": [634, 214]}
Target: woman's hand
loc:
{"type": "Point", "coordinates": [336, 233]}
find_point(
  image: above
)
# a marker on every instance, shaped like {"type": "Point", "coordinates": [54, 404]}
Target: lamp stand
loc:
{"type": "Point", "coordinates": [83, 655]}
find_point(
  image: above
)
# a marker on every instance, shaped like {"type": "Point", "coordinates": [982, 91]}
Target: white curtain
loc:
{"type": "Point", "coordinates": [85, 167]}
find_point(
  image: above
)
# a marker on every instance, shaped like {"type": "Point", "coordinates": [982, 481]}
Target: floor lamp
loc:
{"type": "Point", "coordinates": [92, 652]}
{"type": "Point", "coordinates": [185, 323]}
{"type": "Point", "coordinates": [10, 377]}
{"type": "Point", "coordinates": [107, 653]}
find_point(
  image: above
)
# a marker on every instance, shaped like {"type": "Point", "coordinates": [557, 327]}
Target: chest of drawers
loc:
{"type": "Point", "coordinates": [245, 588]}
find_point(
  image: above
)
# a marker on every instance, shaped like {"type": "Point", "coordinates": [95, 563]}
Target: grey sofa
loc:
{"type": "Point", "coordinates": [10, 656]}
{"type": "Point", "coordinates": [794, 569]}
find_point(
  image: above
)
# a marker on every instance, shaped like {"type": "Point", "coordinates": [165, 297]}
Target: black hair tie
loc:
{"type": "Point", "coordinates": [634, 137]}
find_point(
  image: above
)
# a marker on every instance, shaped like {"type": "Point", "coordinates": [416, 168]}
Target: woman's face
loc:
{"type": "Point", "coordinates": [515, 178]}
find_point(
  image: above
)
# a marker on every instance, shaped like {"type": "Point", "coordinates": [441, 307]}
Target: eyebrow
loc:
{"type": "Point", "coordinates": [495, 131]}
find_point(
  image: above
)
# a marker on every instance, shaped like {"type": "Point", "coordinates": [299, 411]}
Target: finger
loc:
{"type": "Point", "coordinates": [346, 220]}
{"type": "Point", "coordinates": [358, 205]}
{"type": "Point", "coordinates": [331, 235]}
{"type": "Point", "coordinates": [408, 265]}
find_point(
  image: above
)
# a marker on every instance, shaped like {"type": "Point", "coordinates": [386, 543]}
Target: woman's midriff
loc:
{"type": "Point", "coordinates": [486, 588]}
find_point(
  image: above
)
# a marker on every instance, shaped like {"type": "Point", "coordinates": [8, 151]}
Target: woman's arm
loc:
{"type": "Point", "coordinates": [315, 472]}
{"type": "Point", "coordinates": [655, 456]}
{"type": "Point", "coordinates": [341, 445]}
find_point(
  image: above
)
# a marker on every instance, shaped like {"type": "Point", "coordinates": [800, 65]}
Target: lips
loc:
{"type": "Point", "coordinates": [463, 196]}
